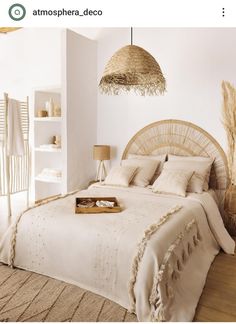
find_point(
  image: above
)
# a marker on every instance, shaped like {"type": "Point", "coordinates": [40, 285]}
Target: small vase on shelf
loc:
{"type": "Point", "coordinates": [49, 105]}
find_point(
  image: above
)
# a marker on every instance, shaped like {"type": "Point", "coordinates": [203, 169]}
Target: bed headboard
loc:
{"type": "Point", "coordinates": [181, 138]}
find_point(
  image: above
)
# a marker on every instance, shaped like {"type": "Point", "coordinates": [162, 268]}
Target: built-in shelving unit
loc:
{"type": "Point", "coordinates": [45, 128]}
{"type": "Point", "coordinates": [76, 94]}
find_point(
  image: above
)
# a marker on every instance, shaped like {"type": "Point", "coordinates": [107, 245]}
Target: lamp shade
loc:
{"type": "Point", "coordinates": [133, 68]}
{"type": "Point", "coordinates": [5, 30]}
{"type": "Point", "coordinates": [101, 152]}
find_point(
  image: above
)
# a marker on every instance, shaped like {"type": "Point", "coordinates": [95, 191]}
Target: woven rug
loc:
{"type": "Point", "coordinates": [30, 297]}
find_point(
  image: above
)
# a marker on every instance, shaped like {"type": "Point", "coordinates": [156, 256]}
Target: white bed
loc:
{"type": "Point", "coordinates": [152, 258]}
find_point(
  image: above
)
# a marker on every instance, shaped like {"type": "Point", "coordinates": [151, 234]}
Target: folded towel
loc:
{"type": "Point", "coordinates": [15, 135]}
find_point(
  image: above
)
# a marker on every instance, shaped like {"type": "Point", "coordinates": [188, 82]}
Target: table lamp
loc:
{"type": "Point", "coordinates": [101, 153]}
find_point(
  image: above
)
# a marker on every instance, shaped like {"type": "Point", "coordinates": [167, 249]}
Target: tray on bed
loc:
{"type": "Point", "coordinates": [95, 209]}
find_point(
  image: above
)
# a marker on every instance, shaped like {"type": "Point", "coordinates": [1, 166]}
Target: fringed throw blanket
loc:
{"type": "Point", "coordinates": [152, 258]}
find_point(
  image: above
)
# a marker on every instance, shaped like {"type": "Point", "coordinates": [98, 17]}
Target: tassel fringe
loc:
{"type": "Point", "coordinates": [173, 263]}
{"type": "Point", "coordinates": [141, 249]}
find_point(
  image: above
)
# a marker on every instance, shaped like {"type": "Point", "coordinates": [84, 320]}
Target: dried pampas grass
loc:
{"type": "Point", "coordinates": [229, 122]}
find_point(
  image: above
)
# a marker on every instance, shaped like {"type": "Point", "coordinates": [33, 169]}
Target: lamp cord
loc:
{"type": "Point", "coordinates": [131, 35]}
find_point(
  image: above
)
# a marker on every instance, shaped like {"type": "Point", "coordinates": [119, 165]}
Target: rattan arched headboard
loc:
{"type": "Point", "coordinates": [181, 138]}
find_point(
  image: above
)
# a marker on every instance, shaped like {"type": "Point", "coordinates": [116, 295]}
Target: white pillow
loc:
{"type": "Point", "coordinates": [173, 182]}
{"type": "Point", "coordinates": [161, 158]}
{"type": "Point", "coordinates": [120, 176]}
{"type": "Point", "coordinates": [200, 169]}
{"type": "Point", "coordinates": [145, 171]}
{"type": "Point", "coordinates": [207, 160]}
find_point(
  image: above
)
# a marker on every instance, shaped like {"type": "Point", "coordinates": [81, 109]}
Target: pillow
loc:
{"type": "Point", "coordinates": [161, 158]}
{"type": "Point", "coordinates": [207, 160]}
{"type": "Point", "coordinates": [200, 169]}
{"type": "Point", "coordinates": [145, 171]}
{"type": "Point", "coordinates": [120, 176]}
{"type": "Point", "coordinates": [173, 182]}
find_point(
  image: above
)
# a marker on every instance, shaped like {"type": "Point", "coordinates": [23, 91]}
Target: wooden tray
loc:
{"type": "Point", "coordinates": [95, 209]}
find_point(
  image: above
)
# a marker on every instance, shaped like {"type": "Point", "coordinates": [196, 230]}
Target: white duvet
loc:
{"type": "Point", "coordinates": [152, 258]}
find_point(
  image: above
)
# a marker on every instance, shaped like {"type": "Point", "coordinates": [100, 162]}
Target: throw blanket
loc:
{"type": "Point", "coordinates": [151, 258]}
{"type": "Point", "coordinates": [15, 135]}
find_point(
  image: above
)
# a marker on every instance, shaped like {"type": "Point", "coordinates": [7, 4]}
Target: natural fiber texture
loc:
{"type": "Point", "coordinates": [230, 208]}
{"type": "Point", "coordinates": [140, 252]}
{"type": "Point", "coordinates": [5, 30]}
{"type": "Point", "coordinates": [229, 122]}
{"type": "Point", "coordinates": [133, 68]}
{"type": "Point", "coordinates": [181, 138]}
{"type": "Point", "coordinates": [29, 297]}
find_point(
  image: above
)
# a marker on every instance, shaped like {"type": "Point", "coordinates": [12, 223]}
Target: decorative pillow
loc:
{"type": "Point", "coordinates": [120, 176]}
{"type": "Point", "coordinates": [200, 169]}
{"type": "Point", "coordinates": [161, 158]}
{"type": "Point", "coordinates": [145, 172]}
{"type": "Point", "coordinates": [173, 182]}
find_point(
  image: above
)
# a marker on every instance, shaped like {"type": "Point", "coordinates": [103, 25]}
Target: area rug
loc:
{"type": "Point", "coordinates": [30, 297]}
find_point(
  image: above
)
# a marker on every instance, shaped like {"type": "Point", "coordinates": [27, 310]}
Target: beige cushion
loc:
{"type": "Point", "coordinates": [195, 159]}
{"type": "Point", "coordinates": [120, 176]}
{"type": "Point", "coordinates": [173, 182]}
{"type": "Point", "coordinates": [161, 158]}
{"type": "Point", "coordinates": [200, 169]}
{"type": "Point", "coordinates": [145, 171]}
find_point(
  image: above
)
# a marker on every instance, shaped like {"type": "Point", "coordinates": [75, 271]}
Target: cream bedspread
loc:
{"type": "Point", "coordinates": [152, 258]}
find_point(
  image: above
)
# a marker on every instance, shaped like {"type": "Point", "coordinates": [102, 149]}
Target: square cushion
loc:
{"type": "Point", "coordinates": [145, 170]}
{"type": "Point", "coordinates": [196, 160]}
{"type": "Point", "coordinates": [173, 182]}
{"type": "Point", "coordinates": [120, 176]}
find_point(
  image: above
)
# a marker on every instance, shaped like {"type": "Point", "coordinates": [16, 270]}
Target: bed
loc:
{"type": "Point", "coordinates": [153, 257]}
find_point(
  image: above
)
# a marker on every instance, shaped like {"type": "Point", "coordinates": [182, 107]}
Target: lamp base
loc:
{"type": "Point", "coordinates": [101, 171]}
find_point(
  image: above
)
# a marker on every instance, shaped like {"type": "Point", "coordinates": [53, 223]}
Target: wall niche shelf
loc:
{"type": "Point", "coordinates": [48, 119]}
{"type": "Point", "coordinates": [45, 129]}
{"type": "Point", "coordinates": [47, 180]}
{"type": "Point", "coordinates": [49, 150]}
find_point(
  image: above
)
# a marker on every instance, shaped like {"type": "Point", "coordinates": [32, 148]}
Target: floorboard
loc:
{"type": "Point", "coordinates": [218, 300]}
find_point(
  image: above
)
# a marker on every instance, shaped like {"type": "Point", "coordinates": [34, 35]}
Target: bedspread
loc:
{"type": "Point", "coordinates": [152, 258]}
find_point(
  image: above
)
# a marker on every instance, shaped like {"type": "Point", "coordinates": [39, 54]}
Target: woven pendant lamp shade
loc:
{"type": "Point", "coordinates": [132, 68]}
{"type": "Point", "coordinates": [5, 30]}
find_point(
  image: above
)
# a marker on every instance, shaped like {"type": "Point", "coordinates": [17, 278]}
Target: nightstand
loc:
{"type": "Point", "coordinates": [92, 182]}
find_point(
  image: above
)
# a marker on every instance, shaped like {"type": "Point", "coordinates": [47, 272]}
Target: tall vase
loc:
{"type": "Point", "coordinates": [50, 107]}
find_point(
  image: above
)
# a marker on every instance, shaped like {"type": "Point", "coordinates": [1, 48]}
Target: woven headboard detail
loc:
{"type": "Point", "coordinates": [181, 138]}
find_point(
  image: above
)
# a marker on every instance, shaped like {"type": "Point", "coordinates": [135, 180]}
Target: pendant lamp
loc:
{"type": "Point", "coordinates": [4, 30]}
{"type": "Point", "coordinates": [132, 68]}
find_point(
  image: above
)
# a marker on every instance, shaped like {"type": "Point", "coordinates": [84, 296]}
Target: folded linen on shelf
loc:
{"type": "Point", "coordinates": [50, 173]}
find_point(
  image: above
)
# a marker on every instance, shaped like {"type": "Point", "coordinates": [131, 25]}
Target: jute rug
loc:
{"type": "Point", "coordinates": [30, 297]}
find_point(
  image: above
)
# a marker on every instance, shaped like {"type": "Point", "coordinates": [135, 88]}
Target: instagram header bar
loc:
{"type": "Point", "coordinates": [102, 13]}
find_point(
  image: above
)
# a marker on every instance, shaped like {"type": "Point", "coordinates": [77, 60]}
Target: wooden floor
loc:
{"type": "Point", "coordinates": [218, 300]}
{"type": "Point", "coordinates": [26, 296]}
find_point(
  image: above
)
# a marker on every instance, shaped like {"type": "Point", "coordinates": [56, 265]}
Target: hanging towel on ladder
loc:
{"type": "Point", "coordinates": [15, 135]}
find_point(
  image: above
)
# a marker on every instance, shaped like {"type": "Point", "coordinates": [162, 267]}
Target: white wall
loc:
{"type": "Point", "coordinates": [29, 58]}
{"type": "Point", "coordinates": [193, 61]}
{"type": "Point", "coordinates": [79, 98]}
{"type": "Point", "coordinates": [45, 57]}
